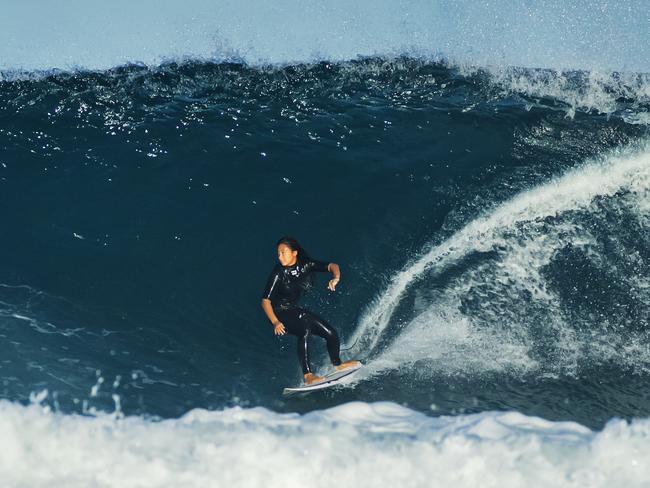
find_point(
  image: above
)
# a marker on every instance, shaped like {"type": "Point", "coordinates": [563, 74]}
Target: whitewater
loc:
{"type": "Point", "coordinates": [516, 220]}
{"type": "Point", "coordinates": [365, 444]}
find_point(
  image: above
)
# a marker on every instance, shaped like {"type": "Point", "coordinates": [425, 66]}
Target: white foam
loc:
{"type": "Point", "coordinates": [595, 90]}
{"type": "Point", "coordinates": [37, 35]}
{"type": "Point", "coordinates": [356, 444]}
{"type": "Point", "coordinates": [524, 242]}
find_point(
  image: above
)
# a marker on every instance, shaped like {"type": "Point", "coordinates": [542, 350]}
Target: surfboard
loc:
{"type": "Point", "coordinates": [328, 380]}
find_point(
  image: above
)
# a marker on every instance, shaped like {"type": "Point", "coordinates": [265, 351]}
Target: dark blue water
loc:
{"type": "Point", "coordinates": [140, 209]}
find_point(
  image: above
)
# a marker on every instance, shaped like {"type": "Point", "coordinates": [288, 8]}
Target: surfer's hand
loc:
{"type": "Point", "coordinates": [279, 329]}
{"type": "Point", "coordinates": [332, 284]}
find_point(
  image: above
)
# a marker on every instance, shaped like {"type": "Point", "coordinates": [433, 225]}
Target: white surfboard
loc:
{"type": "Point", "coordinates": [328, 380]}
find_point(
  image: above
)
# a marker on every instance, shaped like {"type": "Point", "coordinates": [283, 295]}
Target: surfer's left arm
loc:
{"type": "Point", "coordinates": [336, 276]}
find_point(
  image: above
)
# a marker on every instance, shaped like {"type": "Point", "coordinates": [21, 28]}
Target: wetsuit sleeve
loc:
{"type": "Point", "coordinates": [319, 266]}
{"type": "Point", "coordinates": [271, 284]}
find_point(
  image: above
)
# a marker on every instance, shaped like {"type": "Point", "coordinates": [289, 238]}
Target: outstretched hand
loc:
{"type": "Point", "coordinates": [332, 284]}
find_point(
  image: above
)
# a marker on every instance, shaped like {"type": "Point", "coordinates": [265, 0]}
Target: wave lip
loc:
{"type": "Point", "coordinates": [364, 444]}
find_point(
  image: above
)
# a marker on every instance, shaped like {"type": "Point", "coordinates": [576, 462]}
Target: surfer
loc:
{"type": "Point", "coordinates": [288, 280]}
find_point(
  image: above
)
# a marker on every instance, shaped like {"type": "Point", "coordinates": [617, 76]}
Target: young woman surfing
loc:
{"type": "Point", "coordinates": [288, 280]}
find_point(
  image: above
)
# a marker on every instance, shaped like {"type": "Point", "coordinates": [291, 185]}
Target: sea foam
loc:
{"type": "Point", "coordinates": [355, 444]}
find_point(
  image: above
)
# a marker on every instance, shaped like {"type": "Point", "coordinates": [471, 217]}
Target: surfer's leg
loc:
{"type": "Point", "coordinates": [321, 328]}
{"type": "Point", "coordinates": [295, 324]}
{"type": "Point", "coordinates": [303, 356]}
{"type": "Point", "coordinates": [303, 352]}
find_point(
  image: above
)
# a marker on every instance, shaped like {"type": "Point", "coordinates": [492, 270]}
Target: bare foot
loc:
{"type": "Point", "coordinates": [310, 378]}
{"type": "Point", "coordinates": [347, 364]}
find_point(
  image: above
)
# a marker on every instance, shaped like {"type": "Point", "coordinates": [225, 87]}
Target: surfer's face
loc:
{"type": "Point", "coordinates": [286, 256]}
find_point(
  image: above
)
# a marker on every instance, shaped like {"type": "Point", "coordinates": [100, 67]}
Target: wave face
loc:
{"type": "Point", "coordinates": [492, 226]}
{"type": "Point", "coordinates": [494, 243]}
{"type": "Point", "coordinates": [598, 35]}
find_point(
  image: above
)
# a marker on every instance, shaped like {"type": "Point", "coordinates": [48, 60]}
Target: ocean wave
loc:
{"type": "Point", "coordinates": [126, 188]}
{"type": "Point", "coordinates": [360, 444]}
{"type": "Point", "coordinates": [400, 81]}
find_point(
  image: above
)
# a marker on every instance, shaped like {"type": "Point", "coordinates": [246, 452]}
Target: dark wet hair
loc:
{"type": "Point", "coordinates": [294, 246]}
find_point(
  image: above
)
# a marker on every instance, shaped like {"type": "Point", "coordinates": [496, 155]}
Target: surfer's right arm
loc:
{"type": "Point", "coordinates": [266, 301]}
{"type": "Point", "coordinates": [268, 309]}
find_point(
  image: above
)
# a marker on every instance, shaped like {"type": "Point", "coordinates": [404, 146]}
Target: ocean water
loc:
{"type": "Point", "coordinates": [480, 172]}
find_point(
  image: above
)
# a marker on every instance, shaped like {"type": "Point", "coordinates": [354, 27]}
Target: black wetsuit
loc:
{"type": "Point", "coordinates": [284, 288]}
